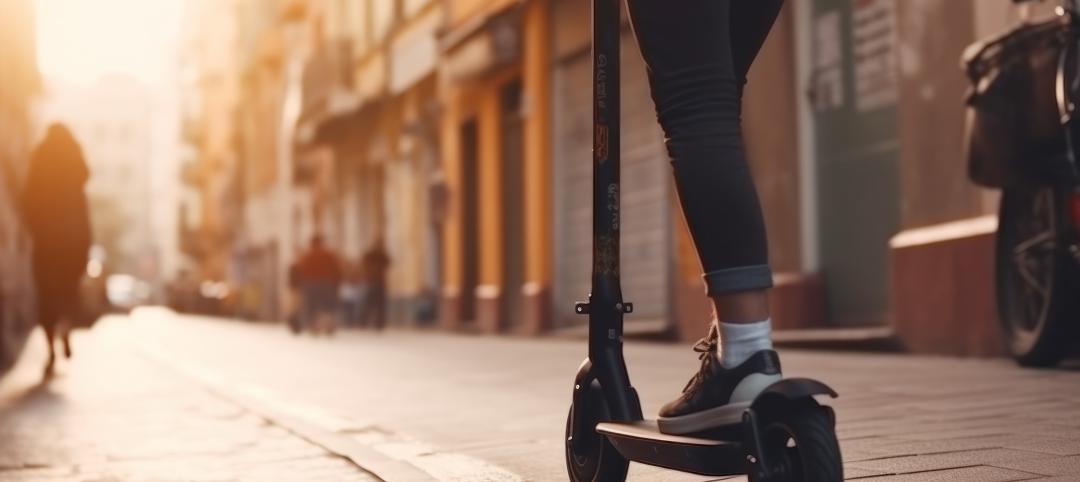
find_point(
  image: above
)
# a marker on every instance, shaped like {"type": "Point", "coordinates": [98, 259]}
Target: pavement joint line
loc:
{"type": "Point", "coordinates": [365, 459]}
{"type": "Point", "coordinates": [930, 471]}
{"type": "Point", "coordinates": [373, 449]}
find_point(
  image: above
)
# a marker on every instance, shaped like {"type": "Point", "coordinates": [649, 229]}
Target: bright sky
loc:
{"type": "Point", "coordinates": [81, 40]}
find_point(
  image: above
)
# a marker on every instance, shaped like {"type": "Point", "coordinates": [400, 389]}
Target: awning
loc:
{"type": "Point", "coordinates": [479, 48]}
{"type": "Point", "coordinates": [316, 122]}
{"type": "Point", "coordinates": [414, 52]}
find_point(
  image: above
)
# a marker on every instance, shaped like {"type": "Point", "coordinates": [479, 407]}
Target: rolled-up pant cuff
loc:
{"type": "Point", "coordinates": [734, 280]}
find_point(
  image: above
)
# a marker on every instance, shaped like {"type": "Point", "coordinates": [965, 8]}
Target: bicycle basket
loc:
{"type": "Point", "coordinates": [1013, 131]}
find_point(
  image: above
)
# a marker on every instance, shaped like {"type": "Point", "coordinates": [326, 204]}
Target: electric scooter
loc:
{"type": "Point", "coordinates": [785, 435]}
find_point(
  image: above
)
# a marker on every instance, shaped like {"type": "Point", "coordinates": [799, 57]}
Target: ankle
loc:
{"type": "Point", "coordinates": [742, 307]}
{"type": "Point", "coordinates": [740, 341]}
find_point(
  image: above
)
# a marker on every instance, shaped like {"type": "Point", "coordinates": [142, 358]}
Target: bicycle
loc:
{"type": "Point", "coordinates": [1037, 253]}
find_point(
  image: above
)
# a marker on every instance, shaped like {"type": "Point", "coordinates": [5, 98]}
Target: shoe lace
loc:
{"type": "Point", "coordinates": [706, 350]}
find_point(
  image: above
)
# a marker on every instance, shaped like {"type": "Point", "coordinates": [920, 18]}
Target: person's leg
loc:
{"type": "Point", "coordinates": [753, 21]}
{"type": "Point", "coordinates": [697, 67]}
{"type": "Point", "coordinates": [291, 307]}
{"type": "Point", "coordinates": [308, 306]}
{"type": "Point", "coordinates": [67, 343]}
{"type": "Point", "coordinates": [333, 306]}
{"type": "Point", "coordinates": [698, 61]}
{"type": "Point", "coordinates": [73, 309]}
{"type": "Point", "coordinates": [48, 318]}
{"type": "Point", "coordinates": [363, 306]}
{"type": "Point", "coordinates": [45, 282]}
{"type": "Point", "coordinates": [691, 53]}
{"type": "Point", "coordinates": [380, 305]}
{"type": "Point", "coordinates": [49, 327]}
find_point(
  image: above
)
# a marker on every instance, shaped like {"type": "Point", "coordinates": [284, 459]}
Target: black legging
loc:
{"type": "Point", "coordinates": [698, 53]}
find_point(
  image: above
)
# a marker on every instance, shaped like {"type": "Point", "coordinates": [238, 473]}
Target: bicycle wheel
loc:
{"type": "Point", "coordinates": [1037, 299]}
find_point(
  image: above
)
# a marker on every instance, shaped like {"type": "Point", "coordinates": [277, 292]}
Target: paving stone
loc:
{"type": "Point", "coordinates": [951, 433]}
{"type": "Point", "coordinates": [857, 473]}
{"type": "Point", "coordinates": [980, 473]}
{"type": "Point", "coordinates": [1059, 430]}
{"type": "Point", "coordinates": [892, 447]}
{"type": "Point", "coordinates": [922, 463]}
{"type": "Point", "coordinates": [1044, 444]}
{"type": "Point", "coordinates": [1045, 466]}
{"type": "Point", "coordinates": [38, 474]}
{"type": "Point", "coordinates": [146, 423]}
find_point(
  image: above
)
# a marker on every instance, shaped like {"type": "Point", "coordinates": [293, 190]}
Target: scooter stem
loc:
{"type": "Point", "coordinates": [606, 292]}
{"type": "Point", "coordinates": [606, 306]}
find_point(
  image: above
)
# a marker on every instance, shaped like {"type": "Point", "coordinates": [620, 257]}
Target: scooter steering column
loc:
{"type": "Point", "coordinates": [606, 307]}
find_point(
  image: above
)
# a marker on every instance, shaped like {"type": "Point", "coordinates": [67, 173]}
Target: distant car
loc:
{"type": "Point", "coordinates": [126, 292]}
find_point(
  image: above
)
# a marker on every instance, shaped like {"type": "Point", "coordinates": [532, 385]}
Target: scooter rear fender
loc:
{"type": "Point", "coordinates": [792, 390]}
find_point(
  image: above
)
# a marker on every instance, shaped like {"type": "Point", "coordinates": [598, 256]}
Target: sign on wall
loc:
{"type": "Point", "coordinates": [828, 62]}
{"type": "Point", "coordinates": [874, 46]}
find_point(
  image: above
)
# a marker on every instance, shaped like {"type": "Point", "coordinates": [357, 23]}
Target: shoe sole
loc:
{"type": "Point", "coordinates": [729, 414]}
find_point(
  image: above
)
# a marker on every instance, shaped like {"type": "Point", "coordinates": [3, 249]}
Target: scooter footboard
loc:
{"type": "Point", "coordinates": [643, 443]}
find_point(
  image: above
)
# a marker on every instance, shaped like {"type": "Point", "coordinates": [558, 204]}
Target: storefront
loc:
{"type": "Point", "coordinates": [495, 93]}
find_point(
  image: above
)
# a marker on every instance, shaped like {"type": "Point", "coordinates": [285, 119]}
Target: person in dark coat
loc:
{"type": "Point", "coordinates": [56, 213]}
{"type": "Point", "coordinates": [320, 279]}
{"type": "Point", "coordinates": [375, 266]}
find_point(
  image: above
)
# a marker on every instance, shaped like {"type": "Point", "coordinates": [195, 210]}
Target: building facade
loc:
{"type": "Point", "coordinates": [211, 82]}
{"type": "Point", "coordinates": [19, 87]}
{"type": "Point", "coordinates": [457, 132]}
{"type": "Point", "coordinates": [835, 128]}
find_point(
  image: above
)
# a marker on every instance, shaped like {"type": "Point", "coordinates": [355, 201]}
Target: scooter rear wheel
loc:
{"type": "Point", "coordinates": [589, 455]}
{"type": "Point", "coordinates": [801, 445]}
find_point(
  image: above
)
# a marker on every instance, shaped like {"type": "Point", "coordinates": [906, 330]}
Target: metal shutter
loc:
{"type": "Point", "coordinates": [646, 196]}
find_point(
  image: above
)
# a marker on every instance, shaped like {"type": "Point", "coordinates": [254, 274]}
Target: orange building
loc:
{"type": "Point", "coordinates": [496, 145]}
{"type": "Point", "coordinates": [516, 150]}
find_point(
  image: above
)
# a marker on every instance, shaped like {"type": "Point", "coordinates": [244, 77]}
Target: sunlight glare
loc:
{"type": "Point", "coordinates": [80, 41]}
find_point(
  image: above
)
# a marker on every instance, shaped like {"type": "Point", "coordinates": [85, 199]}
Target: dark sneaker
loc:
{"type": "Point", "coordinates": [717, 396]}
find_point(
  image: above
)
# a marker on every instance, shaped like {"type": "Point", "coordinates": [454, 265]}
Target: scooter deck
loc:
{"type": "Point", "coordinates": [642, 442]}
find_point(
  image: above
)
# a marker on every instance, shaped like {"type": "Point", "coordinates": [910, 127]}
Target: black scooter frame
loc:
{"type": "Point", "coordinates": [606, 307]}
{"type": "Point", "coordinates": [729, 450]}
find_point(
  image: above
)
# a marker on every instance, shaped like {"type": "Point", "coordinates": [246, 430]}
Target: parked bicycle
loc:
{"type": "Point", "coordinates": [1022, 138]}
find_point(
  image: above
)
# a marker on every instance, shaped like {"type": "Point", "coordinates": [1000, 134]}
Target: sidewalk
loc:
{"type": "Point", "coordinates": [164, 397]}
{"type": "Point", "coordinates": [112, 415]}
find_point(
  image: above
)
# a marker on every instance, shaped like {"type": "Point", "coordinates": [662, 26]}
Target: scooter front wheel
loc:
{"type": "Point", "coordinates": [589, 455]}
{"type": "Point", "coordinates": [801, 445]}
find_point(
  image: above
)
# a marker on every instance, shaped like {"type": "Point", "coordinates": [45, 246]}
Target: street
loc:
{"type": "Point", "coordinates": [157, 396]}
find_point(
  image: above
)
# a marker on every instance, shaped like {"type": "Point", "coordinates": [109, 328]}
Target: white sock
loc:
{"type": "Point", "coordinates": [739, 341]}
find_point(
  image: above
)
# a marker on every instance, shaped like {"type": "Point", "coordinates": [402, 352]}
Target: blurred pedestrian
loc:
{"type": "Point", "coordinates": [352, 293]}
{"type": "Point", "coordinates": [320, 280]}
{"type": "Point", "coordinates": [375, 265]}
{"type": "Point", "coordinates": [56, 213]}
{"type": "Point", "coordinates": [293, 298]}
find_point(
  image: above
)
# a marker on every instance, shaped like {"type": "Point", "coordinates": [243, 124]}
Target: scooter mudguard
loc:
{"type": "Point", "coordinates": [792, 389]}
